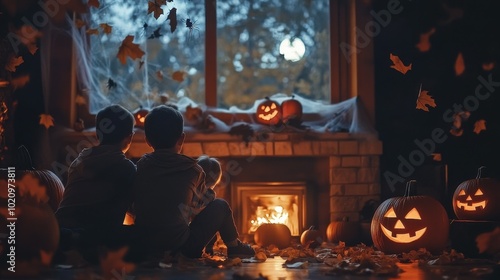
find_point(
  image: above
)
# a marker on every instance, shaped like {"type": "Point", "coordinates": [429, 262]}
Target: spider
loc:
{"type": "Point", "coordinates": [193, 29]}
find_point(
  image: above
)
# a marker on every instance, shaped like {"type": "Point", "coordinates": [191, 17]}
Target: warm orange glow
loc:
{"type": "Point", "coordinates": [390, 213]}
{"type": "Point", "coordinates": [413, 215]}
{"type": "Point", "coordinates": [403, 237]}
{"type": "Point", "coordinates": [469, 206]}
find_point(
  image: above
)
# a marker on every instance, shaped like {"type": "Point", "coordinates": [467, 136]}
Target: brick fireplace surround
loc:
{"type": "Point", "coordinates": [340, 170]}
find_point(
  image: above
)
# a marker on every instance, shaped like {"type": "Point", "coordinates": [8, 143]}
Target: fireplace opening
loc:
{"type": "Point", "coordinates": [275, 202]}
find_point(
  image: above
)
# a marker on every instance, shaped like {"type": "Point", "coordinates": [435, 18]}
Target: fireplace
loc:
{"type": "Point", "coordinates": [269, 202]}
{"type": "Point", "coordinates": [330, 175]}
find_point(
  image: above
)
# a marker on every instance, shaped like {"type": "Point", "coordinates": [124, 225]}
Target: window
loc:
{"type": "Point", "coordinates": [263, 47]}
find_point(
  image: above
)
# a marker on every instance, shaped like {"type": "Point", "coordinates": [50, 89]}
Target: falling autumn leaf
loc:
{"type": "Point", "coordinates": [424, 101]}
{"type": "Point", "coordinates": [94, 3]}
{"type": "Point", "coordinates": [112, 264]}
{"type": "Point", "coordinates": [80, 100]}
{"type": "Point", "coordinates": [13, 63]}
{"type": "Point", "coordinates": [155, 7]}
{"type": "Point", "coordinates": [92, 31]}
{"type": "Point", "coordinates": [424, 44]}
{"type": "Point", "coordinates": [479, 126]}
{"type": "Point", "coordinates": [459, 65]}
{"type": "Point", "coordinates": [79, 23]}
{"type": "Point", "coordinates": [46, 120]}
{"type": "Point", "coordinates": [30, 186]}
{"type": "Point", "coordinates": [106, 28]}
{"type": "Point", "coordinates": [20, 81]}
{"type": "Point", "coordinates": [159, 74]}
{"type": "Point", "coordinates": [32, 48]}
{"type": "Point", "coordinates": [488, 66]}
{"type": "Point", "coordinates": [172, 16]}
{"type": "Point", "coordinates": [436, 157]}
{"type": "Point", "coordinates": [178, 76]}
{"type": "Point", "coordinates": [128, 48]}
{"type": "Point", "coordinates": [398, 64]}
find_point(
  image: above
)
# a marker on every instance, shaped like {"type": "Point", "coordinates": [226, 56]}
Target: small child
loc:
{"type": "Point", "coordinates": [213, 175]}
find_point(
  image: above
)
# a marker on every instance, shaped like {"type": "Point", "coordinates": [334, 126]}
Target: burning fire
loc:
{"type": "Point", "coordinates": [273, 215]}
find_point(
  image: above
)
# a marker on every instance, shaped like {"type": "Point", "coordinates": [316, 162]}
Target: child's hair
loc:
{"type": "Point", "coordinates": [113, 124]}
{"type": "Point", "coordinates": [163, 127]}
{"type": "Point", "coordinates": [213, 171]}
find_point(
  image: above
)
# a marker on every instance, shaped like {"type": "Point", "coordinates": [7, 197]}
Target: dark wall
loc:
{"type": "Point", "coordinates": [467, 27]}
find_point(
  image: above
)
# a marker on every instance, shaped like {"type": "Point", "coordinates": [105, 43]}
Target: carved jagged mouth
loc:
{"type": "Point", "coordinates": [403, 237]}
{"type": "Point", "coordinates": [471, 206]}
{"type": "Point", "coordinates": [268, 116]}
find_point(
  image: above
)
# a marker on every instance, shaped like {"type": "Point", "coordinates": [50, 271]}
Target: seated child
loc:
{"type": "Point", "coordinates": [170, 189]}
{"type": "Point", "coordinates": [100, 179]}
{"type": "Point", "coordinates": [213, 174]}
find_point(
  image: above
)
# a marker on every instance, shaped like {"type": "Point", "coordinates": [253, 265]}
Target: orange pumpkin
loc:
{"type": "Point", "coordinates": [477, 199]}
{"type": "Point", "coordinates": [30, 181]}
{"type": "Point", "coordinates": [311, 237]}
{"type": "Point", "coordinates": [278, 235]}
{"type": "Point", "coordinates": [291, 109]}
{"type": "Point", "coordinates": [140, 117]}
{"type": "Point", "coordinates": [268, 112]}
{"type": "Point", "coordinates": [345, 231]}
{"type": "Point", "coordinates": [410, 222]}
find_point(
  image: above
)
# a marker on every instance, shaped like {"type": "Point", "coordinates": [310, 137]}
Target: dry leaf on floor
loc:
{"type": "Point", "coordinates": [479, 126]}
{"type": "Point", "coordinates": [424, 101]}
{"type": "Point", "coordinates": [398, 64]}
{"type": "Point", "coordinates": [129, 49]}
{"type": "Point", "coordinates": [112, 264]}
{"type": "Point", "coordinates": [46, 120]}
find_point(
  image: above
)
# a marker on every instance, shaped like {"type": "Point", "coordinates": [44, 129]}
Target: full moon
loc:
{"type": "Point", "coordinates": [292, 50]}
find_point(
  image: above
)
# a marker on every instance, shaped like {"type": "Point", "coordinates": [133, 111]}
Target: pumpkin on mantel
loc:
{"type": "Point", "coordinates": [268, 112]}
{"type": "Point", "coordinates": [278, 235]}
{"type": "Point", "coordinates": [291, 110]}
{"type": "Point", "coordinates": [410, 222]}
{"type": "Point", "coordinates": [478, 199]}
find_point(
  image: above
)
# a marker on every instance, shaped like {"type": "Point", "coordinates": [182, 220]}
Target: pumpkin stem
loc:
{"type": "Point", "coordinates": [23, 159]}
{"type": "Point", "coordinates": [411, 188]}
{"type": "Point", "coordinates": [479, 171]}
{"type": "Point", "coordinates": [311, 228]}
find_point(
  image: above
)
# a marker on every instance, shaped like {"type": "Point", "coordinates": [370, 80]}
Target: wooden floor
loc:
{"type": "Point", "coordinates": [271, 269]}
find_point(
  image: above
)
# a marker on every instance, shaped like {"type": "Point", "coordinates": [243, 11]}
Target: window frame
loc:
{"type": "Point", "coordinates": [345, 17]}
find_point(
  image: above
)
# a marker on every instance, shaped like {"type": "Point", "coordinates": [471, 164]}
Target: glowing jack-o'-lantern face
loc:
{"type": "Point", "coordinates": [140, 117]}
{"type": "Point", "coordinates": [410, 222]}
{"type": "Point", "coordinates": [473, 199]}
{"type": "Point", "coordinates": [268, 112]}
{"type": "Point", "coordinates": [400, 234]}
{"type": "Point", "coordinates": [466, 203]}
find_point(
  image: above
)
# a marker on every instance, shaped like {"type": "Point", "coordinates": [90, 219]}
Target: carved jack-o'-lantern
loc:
{"type": "Point", "coordinates": [268, 112]}
{"type": "Point", "coordinates": [477, 199]}
{"type": "Point", "coordinates": [291, 109]}
{"type": "Point", "coordinates": [140, 117]}
{"type": "Point", "coordinates": [411, 222]}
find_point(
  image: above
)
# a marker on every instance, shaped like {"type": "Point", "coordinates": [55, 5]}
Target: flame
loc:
{"type": "Point", "coordinates": [273, 215]}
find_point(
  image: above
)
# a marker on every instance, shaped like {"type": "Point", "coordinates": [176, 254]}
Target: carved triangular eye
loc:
{"type": "Point", "coordinates": [390, 213]}
{"type": "Point", "coordinates": [462, 192]}
{"type": "Point", "coordinates": [413, 215]}
{"type": "Point", "coordinates": [478, 192]}
{"type": "Point", "coordinates": [273, 106]}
